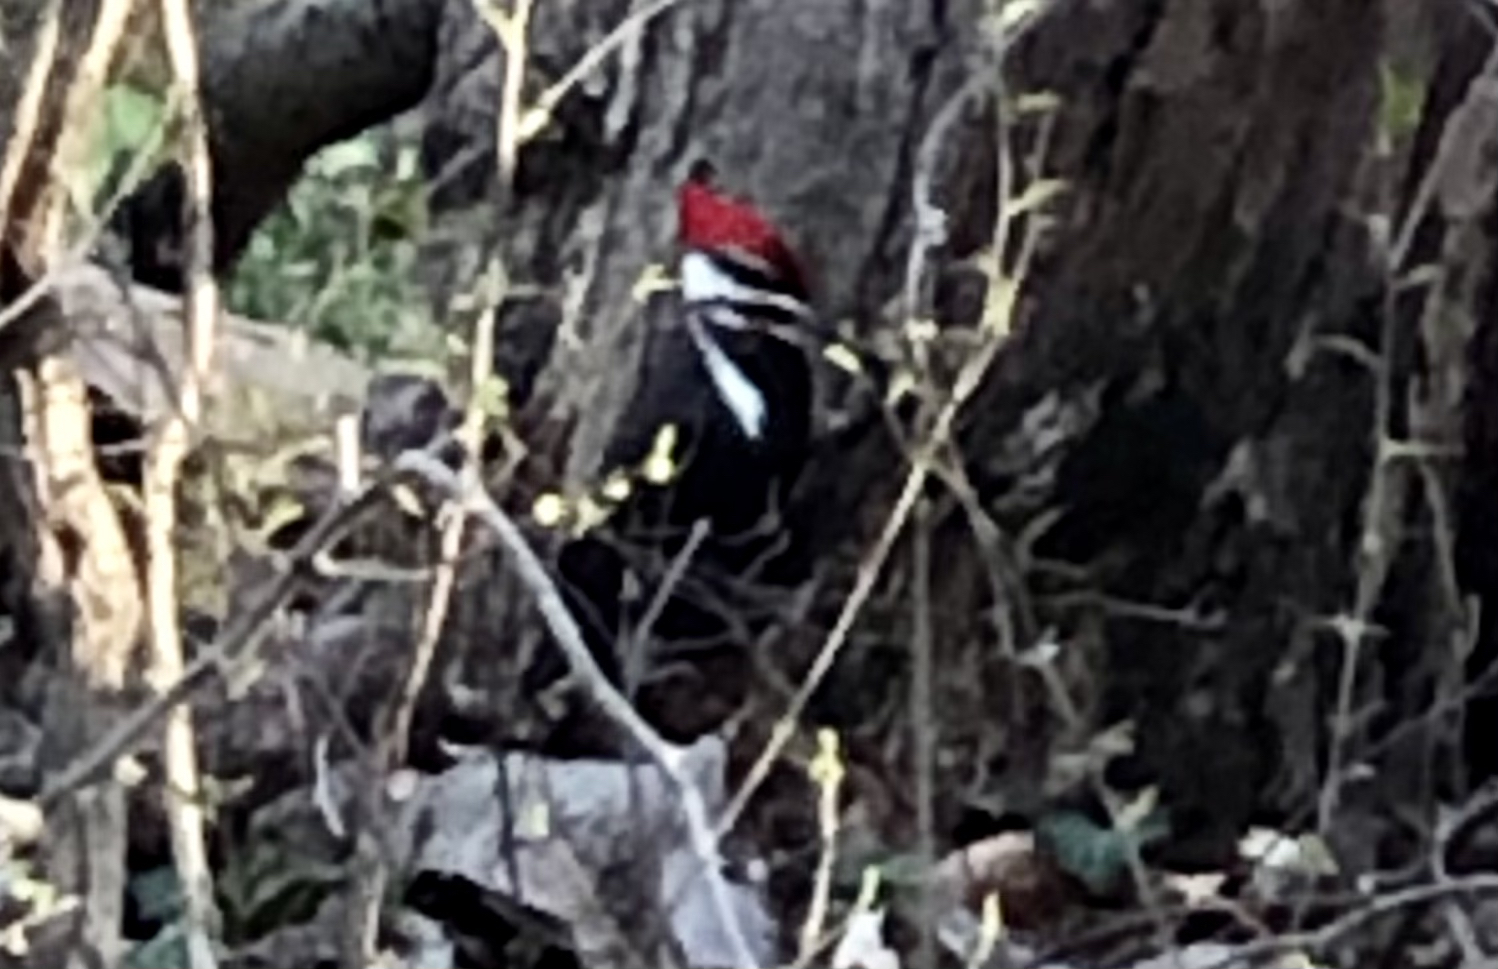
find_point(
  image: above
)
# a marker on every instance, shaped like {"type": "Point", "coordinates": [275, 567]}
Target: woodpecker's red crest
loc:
{"type": "Point", "coordinates": [712, 222]}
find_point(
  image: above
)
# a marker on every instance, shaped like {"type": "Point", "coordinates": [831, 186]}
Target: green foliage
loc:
{"type": "Point", "coordinates": [133, 119]}
{"type": "Point", "coordinates": [1402, 100]}
{"type": "Point", "coordinates": [492, 398]}
{"type": "Point", "coordinates": [904, 870]}
{"type": "Point", "coordinates": [158, 898]}
{"type": "Point", "coordinates": [167, 949]}
{"type": "Point", "coordinates": [157, 893]}
{"type": "Point", "coordinates": [261, 888]}
{"type": "Point", "coordinates": [1097, 856]}
{"type": "Point", "coordinates": [339, 257]}
{"type": "Point", "coordinates": [129, 132]}
{"type": "Point", "coordinates": [266, 886]}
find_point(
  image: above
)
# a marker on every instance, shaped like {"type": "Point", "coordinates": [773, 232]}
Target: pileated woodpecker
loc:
{"type": "Point", "coordinates": [727, 370]}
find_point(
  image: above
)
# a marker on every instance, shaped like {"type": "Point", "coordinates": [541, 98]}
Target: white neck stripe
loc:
{"type": "Point", "coordinates": [704, 281]}
{"type": "Point", "coordinates": [743, 399]}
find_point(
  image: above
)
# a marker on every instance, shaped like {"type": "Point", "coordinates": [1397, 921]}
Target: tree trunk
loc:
{"type": "Point", "coordinates": [1227, 381]}
{"type": "Point", "coordinates": [1219, 232]}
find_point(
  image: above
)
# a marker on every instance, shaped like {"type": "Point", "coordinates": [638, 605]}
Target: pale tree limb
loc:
{"type": "Point", "coordinates": [66, 533]}
{"type": "Point", "coordinates": [86, 849]}
{"type": "Point", "coordinates": [27, 113]}
{"type": "Point", "coordinates": [569, 638]}
{"type": "Point", "coordinates": [236, 646]}
{"type": "Point", "coordinates": [168, 450]}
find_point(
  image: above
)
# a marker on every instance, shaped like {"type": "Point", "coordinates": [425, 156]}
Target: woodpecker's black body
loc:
{"type": "Point", "coordinates": [724, 475]}
{"type": "Point", "coordinates": [723, 366]}
{"type": "Point", "coordinates": [737, 485]}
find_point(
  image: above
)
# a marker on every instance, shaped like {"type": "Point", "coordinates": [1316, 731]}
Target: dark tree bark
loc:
{"type": "Point", "coordinates": [1222, 327]}
{"type": "Point", "coordinates": [1217, 230]}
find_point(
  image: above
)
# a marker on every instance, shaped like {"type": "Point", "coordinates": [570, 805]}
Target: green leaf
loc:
{"type": "Point", "coordinates": [1096, 856]}
{"type": "Point", "coordinates": [157, 893]}
{"type": "Point", "coordinates": [1037, 102]}
{"type": "Point", "coordinates": [346, 157]}
{"type": "Point", "coordinates": [267, 887]}
{"type": "Point", "coordinates": [284, 510]}
{"type": "Point", "coordinates": [1402, 100]}
{"type": "Point", "coordinates": [904, 870]}
{"type": "Point", "coordinates": [132, 118]}
{"type": "Point", "coordinates": [493, 398]}
{"type": "Point", "coordinates": [129, 121]}
{"type": "Point", "coordinates": [167, 949]}
{"type": "Point", "coordinates": [398, 215]}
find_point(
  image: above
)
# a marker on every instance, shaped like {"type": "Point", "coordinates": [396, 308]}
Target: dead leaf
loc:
{"type": "Point", "coordinates": [1032, 891]}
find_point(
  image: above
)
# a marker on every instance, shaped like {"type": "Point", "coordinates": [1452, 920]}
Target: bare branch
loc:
{"type": "Point", "coordinates": [569, 638]}
{"type": "Point", "coordinates": [182, 788]}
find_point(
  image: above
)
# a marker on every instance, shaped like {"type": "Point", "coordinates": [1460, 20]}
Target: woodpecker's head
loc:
{"type": "Point", "coordinates": [731, 253]}
{"type": "Point", "coordinates": [744, 296]}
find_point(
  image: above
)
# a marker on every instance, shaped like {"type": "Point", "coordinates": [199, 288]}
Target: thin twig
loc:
{"type": "Point", "coordinates": [1355, 920]}
{"type": "Point", "coordinates": [539, 114]}
{"type": "Point", "coordinates": [924, 459]}
{"type": "Point", "coordinates": [362, 927]}
{"type": "Point", "coordinates": [923, 725]}
{"type": "Point", "coordinates": [235, 644]}
{"type": "Point", "coordinates": [512, 30]}
{"type": "Point", "coordinates": [183, 789]}
{"type": "Point", "coordinates": [637, 653]}
{"type": "Point", "coordinates": [828, 771]}
{"type": "Point", "coordinates": [586, 671]}
{"type": "Point", "coordinates": [1377, 542]}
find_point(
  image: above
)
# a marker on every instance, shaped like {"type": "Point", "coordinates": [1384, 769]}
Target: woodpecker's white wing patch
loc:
{"type": "Point", "coordinates": [744, 400]}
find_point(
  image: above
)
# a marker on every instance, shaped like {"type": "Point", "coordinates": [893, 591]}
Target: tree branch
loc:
{"type": "Point", "coordinates": [610, 701]}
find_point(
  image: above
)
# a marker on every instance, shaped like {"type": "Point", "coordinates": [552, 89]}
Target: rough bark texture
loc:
{"type": "Point", "coordinates": [1213, 155]}
{"type": "Point", "coordinates": [823, 142]}
{"type": "Point", "coordinates": [1224, 224]}
{"type": "Point", "coordinates": [1215, 231]}
{"type": "Point", "coordinates": [1214, 358]}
